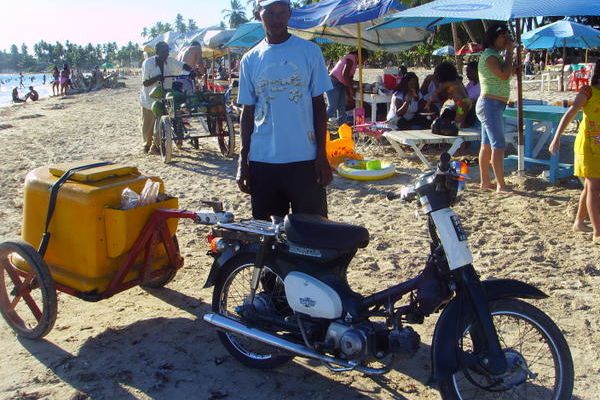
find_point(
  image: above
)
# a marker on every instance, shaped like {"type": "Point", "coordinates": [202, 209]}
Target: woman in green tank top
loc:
{"type": "Point", "coordinates": [495, 71]}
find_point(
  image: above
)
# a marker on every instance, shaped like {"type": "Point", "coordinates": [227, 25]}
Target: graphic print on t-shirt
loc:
{"type": "Point", "coordinates": [278, 81]}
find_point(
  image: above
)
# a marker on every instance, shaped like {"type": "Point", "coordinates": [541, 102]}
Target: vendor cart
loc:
{"type": "Point", "coordinates": [189, 114]}
{"type": "Point", "coordinates": [89, 247]}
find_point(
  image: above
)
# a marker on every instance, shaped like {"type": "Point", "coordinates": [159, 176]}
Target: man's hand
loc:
{"type": "Point", "coordinates": [323, 170]}
{"type": "Point", "coordinates": [243, 176]}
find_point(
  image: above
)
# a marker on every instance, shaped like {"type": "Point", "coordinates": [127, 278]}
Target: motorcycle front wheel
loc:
{"type": "Point", "coordinates": [232, 292]}
{"type": "Point", "coordinates": [539, 361]}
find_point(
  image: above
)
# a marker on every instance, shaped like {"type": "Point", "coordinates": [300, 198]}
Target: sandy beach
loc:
{"type": "Point", "coordinates": [154, 344]}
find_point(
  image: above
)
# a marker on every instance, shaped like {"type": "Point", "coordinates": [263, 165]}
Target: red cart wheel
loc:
{"type": "Point", "coordinates": [164, 278]}
{"type": "Point", "coordinates": [27, 293]}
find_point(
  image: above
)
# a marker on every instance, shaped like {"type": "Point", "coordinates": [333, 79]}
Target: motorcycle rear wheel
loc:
{"type": "Point", "coordinates": [532, 343]}
{"type": "Point", "coordinates": [231, 291]}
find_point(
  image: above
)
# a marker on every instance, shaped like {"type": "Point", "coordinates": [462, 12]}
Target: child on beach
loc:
{"type": "Point", "coordinates": [56, 81]}
{"type": "Point", "coordinates": [587, 154]}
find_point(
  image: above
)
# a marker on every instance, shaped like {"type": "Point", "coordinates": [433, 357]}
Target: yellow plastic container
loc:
{"type": "Point", "coordinates": [90, 235]}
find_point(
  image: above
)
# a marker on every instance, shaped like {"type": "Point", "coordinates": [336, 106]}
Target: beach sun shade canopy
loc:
{"type": "Point", "coordinates": [391, 41]}
{"type": "Point", "coordinates": [247, 35]}
{"type": "Point", "coordinates": [338, 21]}
{"type": "Point", "coordinates": [441, 12]}
{"type": "Point", "coordinates": [341, 12]}
{"type": "Point", "coordinates": [470, 48]}
{"type": "Point", "coordinates": [444, 51]}
{"type": "Point", "coordinates": [562, 34]}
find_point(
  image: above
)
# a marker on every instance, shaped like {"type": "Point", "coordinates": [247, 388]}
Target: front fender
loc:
{"type": "Point", "coordinates": [444, 352]}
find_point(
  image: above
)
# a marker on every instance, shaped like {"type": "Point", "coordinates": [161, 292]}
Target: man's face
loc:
{"type": "Point", "coordinates": [162, 52]}
{"type": "Point", "coordinates": [275, 18]}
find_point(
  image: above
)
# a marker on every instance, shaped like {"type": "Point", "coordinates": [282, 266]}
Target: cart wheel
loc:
{"type": "Point", "coordinates": [225, 135]}
{"type": "Point", "coordinates": [165, 133]}
{"type": "Point", "coordinates": [195, 143]}
{"type": "Point", "coordinates": [27, 293]}
{"type": "Point", "coordinates": [165, 278]}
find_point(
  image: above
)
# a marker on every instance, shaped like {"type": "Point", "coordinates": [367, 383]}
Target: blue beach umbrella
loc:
{"type": "Point", "coordinates": [444, 51]}
{"type": "Point", "coordinates": [562, 34]}
{"type": "Point", "coordinates": [341, 12]}
{"type": "Point", "coordinates": [440, 12]}
{"type": "Point", "coordinates": [247, 35]}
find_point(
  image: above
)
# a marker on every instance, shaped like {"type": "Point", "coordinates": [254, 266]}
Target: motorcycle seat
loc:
{"type": "Point", "coordinates": [319, 232]}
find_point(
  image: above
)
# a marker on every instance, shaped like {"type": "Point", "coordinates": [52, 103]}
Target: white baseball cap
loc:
{"type": "Point", "coordinates": [264, 3]}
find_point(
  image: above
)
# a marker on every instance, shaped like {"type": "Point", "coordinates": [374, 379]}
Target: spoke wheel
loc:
{"type": "Point", "coordinates": [231, 292]}
{"type": "Point", "coordinates": [166, 277]}
{"type": "Point", "coordinates": [165, 135]}
{"type": "Point", "coordinates": [540, 363]}
{"type": "Point", "coordinates": [27, 293]}
{"type": "Point", "coordinates": [225, 134]}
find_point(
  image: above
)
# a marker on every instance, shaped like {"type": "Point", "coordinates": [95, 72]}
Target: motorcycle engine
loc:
{"type": "Point", "coordinates": [350, 342]}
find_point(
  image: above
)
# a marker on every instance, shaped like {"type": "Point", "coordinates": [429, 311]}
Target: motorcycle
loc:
{"type": "Point", "coordinates": [280, 291]}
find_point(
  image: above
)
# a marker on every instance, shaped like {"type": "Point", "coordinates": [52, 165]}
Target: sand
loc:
{"type": "Point", "coordinates": [154, 344]}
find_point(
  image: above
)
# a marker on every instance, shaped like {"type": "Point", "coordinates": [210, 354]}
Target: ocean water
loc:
{"type": "Point", "coordinates": [10, 81]}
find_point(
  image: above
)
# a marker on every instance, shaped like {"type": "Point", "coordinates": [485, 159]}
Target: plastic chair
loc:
{"type": "Point", "coordinates": [579, 78]}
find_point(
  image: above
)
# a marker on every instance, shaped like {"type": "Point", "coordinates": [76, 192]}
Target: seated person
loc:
{"type": "Point", "coordinates": [406, 104]}
{"type": "Point", "coordinates": [428, 88]}
{"type": "Point", "coordinates": [450, 87]}
{"type": "Point", "coordinates": [15, 96]}
{"type": "Point", "coordinates": [32, 95]}
{"type": "Point", "coordinates": [473, 90]}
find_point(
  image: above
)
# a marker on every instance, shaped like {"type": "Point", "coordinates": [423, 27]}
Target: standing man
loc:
{"type": "Point", "coordinates": [154, 70]}
{"type": "Point", "coordinates": [192, 56]}
{"type": "Point", "coordinates": [283, 124]}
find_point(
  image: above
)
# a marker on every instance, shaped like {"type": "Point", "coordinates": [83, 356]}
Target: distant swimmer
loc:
{"type": "Point", "coordinates": [32, 95]}
{"type": "Point", "coordinates": [15, 96]}
{"type": "Point", "coordinates": [44, 79]}
{"type": "Point", "coordinates": [21, 80]}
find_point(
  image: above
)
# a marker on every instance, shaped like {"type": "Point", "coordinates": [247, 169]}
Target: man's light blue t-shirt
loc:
{"type": "Point", "coordinates": [280, 80]}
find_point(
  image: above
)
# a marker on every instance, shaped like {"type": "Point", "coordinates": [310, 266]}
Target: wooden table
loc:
{"type": "Point", "coordinates": [542, 113]}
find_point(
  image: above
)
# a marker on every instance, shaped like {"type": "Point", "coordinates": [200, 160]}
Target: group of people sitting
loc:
{"type": "Point", "coordinates": [32, 95]}
{"type": "Point", "coordinates": [442, 93]}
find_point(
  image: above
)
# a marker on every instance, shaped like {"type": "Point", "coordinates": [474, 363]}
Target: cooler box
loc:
{"type": "Point", "coordinates": [90, 234]}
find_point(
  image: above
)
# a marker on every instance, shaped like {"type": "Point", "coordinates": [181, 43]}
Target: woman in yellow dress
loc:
{"type": "Point", "coordinates": [587, 153]}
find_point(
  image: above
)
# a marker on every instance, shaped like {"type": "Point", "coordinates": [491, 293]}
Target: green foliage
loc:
{"type": "Point", "coordinates": [46, 55]}
{"type": "Point", "coordinates": [236, 14]}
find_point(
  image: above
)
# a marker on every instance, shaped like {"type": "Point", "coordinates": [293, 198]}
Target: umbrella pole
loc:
{"type": "Point", "coordinates": [521, 137]}
{"type": "Point", "coordinates": [562, 70]}
{"type": "Point", "coordinates": [586, 55]}
{"type": "Point", "coordinates": [360, 71]}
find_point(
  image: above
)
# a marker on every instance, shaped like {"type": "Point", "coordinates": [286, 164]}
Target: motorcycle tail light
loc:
{"type": "Point", "coordinates": [217, 245]}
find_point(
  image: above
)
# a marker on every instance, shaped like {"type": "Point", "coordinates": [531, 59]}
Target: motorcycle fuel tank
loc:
{"type": "Point", "coordinates": [308, 295]}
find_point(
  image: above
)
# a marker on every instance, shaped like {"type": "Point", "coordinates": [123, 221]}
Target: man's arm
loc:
{"type": "Point", "coordinates": [246, 127]}
{"type": "Point", "coordinates": [324, 175]}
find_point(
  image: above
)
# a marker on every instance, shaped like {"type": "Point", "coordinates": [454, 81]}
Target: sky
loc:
{"type": "Point", "coordinates": [97, 21]}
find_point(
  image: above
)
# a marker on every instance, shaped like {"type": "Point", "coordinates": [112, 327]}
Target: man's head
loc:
{"type": "Point", "coordinates": [274, 15]}
{"type": "Point", "coordinates": [30, 88]}
{"type": "Point", "coordinates": [195, 43]}
{"type": "Point", "coordinates": [472, 71]}
{"type": "Point", "coordinates": [162, 50]}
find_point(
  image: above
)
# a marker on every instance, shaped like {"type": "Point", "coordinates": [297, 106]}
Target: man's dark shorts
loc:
{"type": "Point", "coordinates": [276, 187]}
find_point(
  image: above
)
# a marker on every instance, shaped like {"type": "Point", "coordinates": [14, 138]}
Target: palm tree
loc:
{"type": "Point", "coordinates": [236, 15]}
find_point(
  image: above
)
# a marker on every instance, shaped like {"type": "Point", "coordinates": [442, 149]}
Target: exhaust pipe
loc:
{"type": "Point", "coordinates": [231, 325]}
